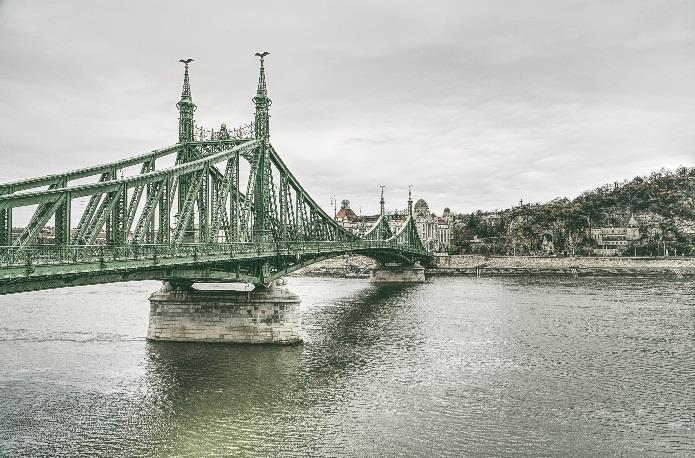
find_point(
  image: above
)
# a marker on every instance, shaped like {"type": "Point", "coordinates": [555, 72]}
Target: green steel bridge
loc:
{"type": "Point", "coordinates": [224, 207]}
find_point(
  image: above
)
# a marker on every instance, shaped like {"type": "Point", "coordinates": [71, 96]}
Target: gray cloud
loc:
{"type": "Point", "coordinates": [474, 103]}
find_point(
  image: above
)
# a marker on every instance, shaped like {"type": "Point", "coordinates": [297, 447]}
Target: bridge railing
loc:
{"type": "Point", "coordinates": [14, 256]}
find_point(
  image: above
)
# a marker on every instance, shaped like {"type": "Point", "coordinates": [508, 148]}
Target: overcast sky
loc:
{"type": "Point", "coordinates": [474, 103]}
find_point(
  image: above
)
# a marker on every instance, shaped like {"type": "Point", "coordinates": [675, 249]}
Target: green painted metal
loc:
{"type": "Point", "coordinates": [190, 220]}
{"type": "Point", "coordinates": [261, 232]}
{"type": "Point", "coordinates": [381, 229]}
{"type": "Point", "coordinates": [6, 226]}
{"type": "Point", "coordinates": [186, 153]}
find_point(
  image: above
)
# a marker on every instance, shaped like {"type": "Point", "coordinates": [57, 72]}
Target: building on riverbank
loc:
{"type": "Point", "coordinates": [613, 241]}
{"type": "Point", "coordinates": [435, 231]}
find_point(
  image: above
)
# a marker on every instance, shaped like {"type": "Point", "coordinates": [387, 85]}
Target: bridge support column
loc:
{"type": "Point", "coordinates": [398, 274]}
{"type": "Point", "coordinates": [179, 312]}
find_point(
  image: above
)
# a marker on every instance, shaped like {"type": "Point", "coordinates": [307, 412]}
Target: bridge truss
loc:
{"type": "Point", "coordinates": [224, 207]}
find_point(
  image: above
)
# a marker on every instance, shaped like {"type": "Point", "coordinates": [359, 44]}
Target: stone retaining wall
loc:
{"type": "Point", "coordinates": [518, 265]}
{"type": "Point", "coordinates": [532, 262]}
{"type": "Point", "coordinates": [575, 272]}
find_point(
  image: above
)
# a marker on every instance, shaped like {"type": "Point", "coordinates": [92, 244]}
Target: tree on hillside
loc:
{"type": "Point", "coordinates": [658, 200]}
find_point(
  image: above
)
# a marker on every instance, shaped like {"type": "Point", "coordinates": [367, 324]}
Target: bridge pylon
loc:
{"type": "Point", "coordinates": [181, 313]}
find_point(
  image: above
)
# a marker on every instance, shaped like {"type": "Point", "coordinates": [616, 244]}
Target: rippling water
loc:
{"type": "Point", "coordinates": [457, 366]}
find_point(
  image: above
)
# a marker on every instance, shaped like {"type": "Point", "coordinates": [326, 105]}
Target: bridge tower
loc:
{"type": "Point", "coordinates": [410, 200]}
{"type": "Point", "coordinates": [382, 202]}
{"type": "Point", "coordinates": [186, 108]}
{"type": "Point", "coordinates": [267, 314]}
{"type": "Point", "coordinates": [186, 135]}
{"type": "Point", "coordinates": [261, 231]}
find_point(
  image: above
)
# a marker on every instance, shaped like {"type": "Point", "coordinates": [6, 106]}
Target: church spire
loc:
{"type": "Point", "coordinates": [262, 102]}
{"type": "Point", "coordinates": [186, 107]}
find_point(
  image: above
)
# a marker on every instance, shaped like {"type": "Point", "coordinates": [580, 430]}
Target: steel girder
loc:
{"type": "Point", "coordinates": [292, 214]}
{"type": "Point", "coordinates": [47, 266]}
{"type": "Point", "coordinates": [184, 219]}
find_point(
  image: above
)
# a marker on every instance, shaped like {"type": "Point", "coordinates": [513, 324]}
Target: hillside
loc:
{"type": "Point", "coordinates": [661, 206]}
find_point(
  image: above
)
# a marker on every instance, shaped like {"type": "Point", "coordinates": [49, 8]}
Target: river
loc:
{"type": "Point", "coordinates": [456, 366]}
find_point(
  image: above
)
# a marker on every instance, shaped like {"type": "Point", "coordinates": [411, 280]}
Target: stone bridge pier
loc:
{"type": "Point", "coordinates": [397, 273]}
{"type": "Point", "coordinates": [180, 312]}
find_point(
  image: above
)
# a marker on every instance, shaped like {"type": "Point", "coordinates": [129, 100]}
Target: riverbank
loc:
{"type": "Point", "coordinates": [571, 265]}
{"type": "Point", "coordinates": [359, 266]}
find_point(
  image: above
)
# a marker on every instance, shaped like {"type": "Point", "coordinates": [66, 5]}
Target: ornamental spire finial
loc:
{"type": "Point", "coordinates": [186, 107]}
{"type": "Point", "coordinates": [261, 78]}
{"type": "Point", "coordinates": [186, 93]}
{"type": "Point", "coordinates": [262, 102]}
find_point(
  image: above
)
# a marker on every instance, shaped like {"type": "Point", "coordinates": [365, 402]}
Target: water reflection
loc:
{"type": "Point", "coordinates": [342, 335]}
{"type": "Point", "coordinates": [227, 398]}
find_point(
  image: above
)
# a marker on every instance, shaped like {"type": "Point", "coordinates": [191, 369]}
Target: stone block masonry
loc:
{"type": "Point", "coordinates": [185, 314]}
{"type": "Point", "coordinates": [570, 265]}
{"type": "Point", "coordinates": [569, 262]}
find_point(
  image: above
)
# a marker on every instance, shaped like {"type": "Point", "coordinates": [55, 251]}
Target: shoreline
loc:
{"type": "Point", "coordinates": [472, 265]}
{"type": "Point", "coordinates": [574, 272]}
{"type": "Point", "coordinates": [576, 266]}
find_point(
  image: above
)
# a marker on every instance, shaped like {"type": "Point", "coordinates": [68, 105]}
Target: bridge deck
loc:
{"type": "Point", "coordinates": [48, 266]}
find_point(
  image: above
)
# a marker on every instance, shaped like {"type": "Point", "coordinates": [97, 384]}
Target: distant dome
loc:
{"type": "Point", "coordinates": [421, 208]}
{"type": "Point", "coordinates": [447, 210]}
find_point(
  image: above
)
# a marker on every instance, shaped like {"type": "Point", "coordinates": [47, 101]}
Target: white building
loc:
{"type": "Point", "coordinates": [435, 231]}
{"type": "Point", "coordinates": [615, 240]}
